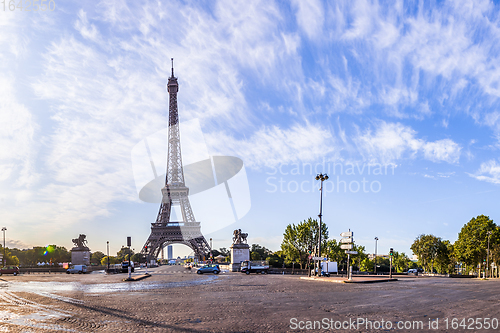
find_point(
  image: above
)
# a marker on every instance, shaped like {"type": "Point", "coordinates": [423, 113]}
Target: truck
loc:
{"type": "Point", "coordinates": [125, 265]}
{"type": "Point", "coordinates": [77, 269]}
{"type": "Point", "coordinates": [248, 267]}
{"type": "Point", "coordinates": [329, 266]}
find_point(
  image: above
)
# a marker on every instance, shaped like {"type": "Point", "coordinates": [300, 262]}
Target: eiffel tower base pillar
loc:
{"type": "Point", "coordinates": [239, 253]}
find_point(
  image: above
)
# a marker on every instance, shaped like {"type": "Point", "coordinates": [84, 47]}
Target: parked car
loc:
{"type": "Point", "coordinates": [209, 269]}
{"type": "Point", "coordinates": [9, 270]}
{"type": "Point", "coordinates": [77, 269]}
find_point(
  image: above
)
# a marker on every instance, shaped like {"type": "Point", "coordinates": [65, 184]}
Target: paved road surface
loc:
{"type": "Point", "coordinates": [174, 299]}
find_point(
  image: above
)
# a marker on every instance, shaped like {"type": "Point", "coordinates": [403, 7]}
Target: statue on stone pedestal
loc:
{"type": "Point", "coordinates": [80, 242]}
{"type": "Point", "coordinates": [80, 254]}
{"type": "Point", "coordinates": [239, 237]}
{"type": "Point", "coordinates": [240, 250]}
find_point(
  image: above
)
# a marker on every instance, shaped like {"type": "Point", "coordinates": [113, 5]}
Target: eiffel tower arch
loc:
{"type": "Point", "coordinates": [175, 193]}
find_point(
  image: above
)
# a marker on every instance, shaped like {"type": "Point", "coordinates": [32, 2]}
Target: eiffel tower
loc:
{"type": "Point", "coordinates": [165, 232]}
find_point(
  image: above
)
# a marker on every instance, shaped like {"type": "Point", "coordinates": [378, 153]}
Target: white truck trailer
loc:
{"type": "Point", "coordinates": [248, 267]}
{"type": "Point", "coordinates": [329, 266]}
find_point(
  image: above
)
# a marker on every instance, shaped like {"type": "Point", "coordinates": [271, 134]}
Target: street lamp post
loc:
{"type": "Point", "coordinates": [321, 177]}
{"type": "Point", "coordinates": [211, 254]}
{"type": "Point", "coordinates": [375, 258]}
{"type": "Point", "coordinates": [488, 257]}
{"type": "Point", "coordinates": [107, 246]}
{"type": "Point", "coordinates": [4, 258]}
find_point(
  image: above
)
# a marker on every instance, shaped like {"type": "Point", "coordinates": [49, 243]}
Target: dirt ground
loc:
{"type": "Point", "coordinates": [174, 299]}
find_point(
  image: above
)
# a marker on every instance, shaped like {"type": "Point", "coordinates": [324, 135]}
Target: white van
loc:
{"type": "Point", "coordinates": [74, 269]}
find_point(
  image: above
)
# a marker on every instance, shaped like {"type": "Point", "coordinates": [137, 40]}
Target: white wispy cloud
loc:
{"type": "Point", "coordinates": [488, 172]}
{"type": "Point", "coordinates": [17, 137]}
{"type": "Point", "coordinates": [390, 142]}
{"type": "Point", "coordinates": [310, 17]}
{"type": "Point", "coordinates": [271, 146]}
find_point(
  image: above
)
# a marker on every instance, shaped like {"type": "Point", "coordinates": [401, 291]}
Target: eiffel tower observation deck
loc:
{"type": "Point", "coordinates": [175, 193]}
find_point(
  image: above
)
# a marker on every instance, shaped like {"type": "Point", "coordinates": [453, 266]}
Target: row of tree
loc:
{"type": "Point", "coordinates": [53, 254]}
{"type": "Point", "coordinates": [300, 242]}
{"type": "Point", "coordinates": [468, 252]}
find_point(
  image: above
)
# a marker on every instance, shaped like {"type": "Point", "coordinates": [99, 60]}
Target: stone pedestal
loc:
{"type": "Point", "coordinates": [80, 256]}
{"type": "Point", "coordinates": [239, 253]}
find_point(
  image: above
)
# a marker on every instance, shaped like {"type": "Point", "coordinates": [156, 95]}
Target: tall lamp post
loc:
{"type": "Point", "coordinates": [107, 246]}
{"type": "Point", "coordinates": [488, 257]}
{"type": "Point", "coordinates": [4, 258]}
{"type": "Point", "coordinates": [211, 255]}
{"type": "Point", "coordinates": [321, 177]}
{"type": "Point", "coordinates": [375, 258]}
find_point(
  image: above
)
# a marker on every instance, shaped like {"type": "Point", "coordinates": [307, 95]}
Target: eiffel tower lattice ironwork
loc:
{"type": "Point", "coordinates": [165, 232]}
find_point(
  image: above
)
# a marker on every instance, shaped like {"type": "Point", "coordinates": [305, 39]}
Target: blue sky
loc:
{"type": "Point", "coordinates": [412, 86]}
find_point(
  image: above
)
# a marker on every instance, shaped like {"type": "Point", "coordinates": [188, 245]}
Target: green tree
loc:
{"type": "Point", "coordinates": [112, 261]}
{"type": "Point", "coordinates": [358, 258]}
{"type": "Point", "coordinates": [383, 264]}
{"type": "Point", "coordinates": [258, 252]}
{"type": "Point", "coordinates": [426, 248]}
{"type": "Point", "coordinates": [96, 257]}
{"type": "Point", "coordinates": [138, 257]}
{"type": "Point", "coordinates": [334, 252]}
{"type": "Point", "coordinates": [445, 262]}
{"type": "Point", "coordinates": [254, 256]}
{"type": "Point", "coordinates": [298, 239]}
{"type": "Point", "coordinates": [400, 262]}
{"type": "Point", "coordinates": [277, 259]}
{"type": "Point", "coordinates": [123, 254]}
{"type": "Point", "coordinates": [472, 243]}
{"type": "Point", "coordinates": [366, 265]}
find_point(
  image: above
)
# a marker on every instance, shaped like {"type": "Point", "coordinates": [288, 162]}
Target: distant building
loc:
{"type": "Point", "coordinates": [170, 252]}
{"type": "Point", "coordinates": [372, 255]}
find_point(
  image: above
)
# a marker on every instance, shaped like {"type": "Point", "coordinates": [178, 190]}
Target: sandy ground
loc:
{"type": "Point", "coordinates": [177, 300]}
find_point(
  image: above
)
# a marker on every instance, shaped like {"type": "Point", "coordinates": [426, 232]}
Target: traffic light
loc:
{"type": "Point", "coordinates": [146, 249]}
{"type": "Point", "coordinates": [391, 251]}
{"type": "Point", "coordinates": [309, 249]}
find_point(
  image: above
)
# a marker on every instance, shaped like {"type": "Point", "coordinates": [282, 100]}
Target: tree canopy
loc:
{"type": "Point", "coordinates": [298, 239]}
{"type": "Point", "coordinates": [472, 243]}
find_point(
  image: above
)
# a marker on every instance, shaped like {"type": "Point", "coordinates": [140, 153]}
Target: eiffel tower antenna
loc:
{"type": "Point", "coordinates": [175, 193]}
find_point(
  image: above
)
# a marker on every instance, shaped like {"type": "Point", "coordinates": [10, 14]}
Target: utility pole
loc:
{"type": "Point", "coordinates": [391, 252]}
{"type": "Point", "coordinates": [375, 259]}
{"type": "Point", "coordinates": [488, 257]}
{"type": "Point", "coordinates": [4, 257]}
{"type": "Point", "coordinates": [321, 177]}
{"type": "Point", "coordinates": [107, 246]}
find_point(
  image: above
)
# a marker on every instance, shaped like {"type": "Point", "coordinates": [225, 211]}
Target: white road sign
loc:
{"type": "Point", "coordinates": [346, 246]}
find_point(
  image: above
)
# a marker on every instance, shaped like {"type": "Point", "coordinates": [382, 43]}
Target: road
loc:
{"type": "Point", "coordinates": [174, 299]}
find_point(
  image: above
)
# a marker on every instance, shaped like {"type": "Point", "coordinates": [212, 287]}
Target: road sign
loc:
{"type": "Point", "coordinates": [351, 252]}
{"type": "Point", "coordinates": [347, 234]}
{"type": "Point", "coordinates": [346, 240]}
{"type": "Point", "coordinates": [346, 246]}
{"type": "Point", "coordinates": [319, 258]}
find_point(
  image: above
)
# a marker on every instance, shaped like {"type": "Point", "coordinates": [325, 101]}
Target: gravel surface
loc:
{"type": "Point", "coordinates": [174, 299]}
